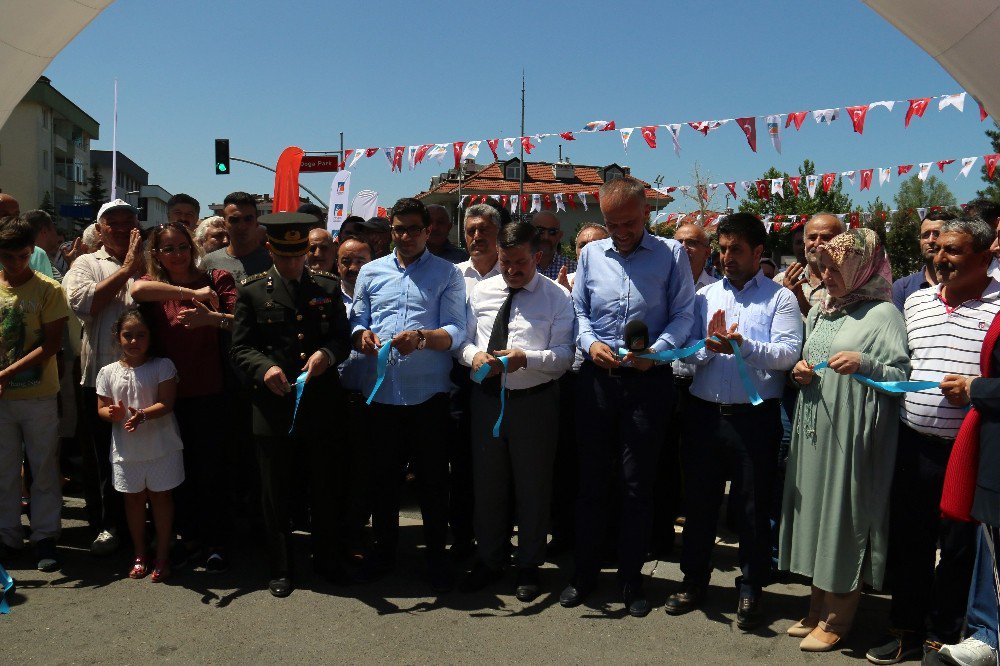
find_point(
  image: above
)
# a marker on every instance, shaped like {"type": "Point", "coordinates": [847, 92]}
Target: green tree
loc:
{"type": "Point", "coordinates": [915, 193]}
{"type": "Point", "coordinates": [992, 189]}
{"type": "Point", "coordinates": [834, 201]}
{"type": "Point", "coordinates": [49, 208]}
{"type": "Point", "coordinates": [96, 195]}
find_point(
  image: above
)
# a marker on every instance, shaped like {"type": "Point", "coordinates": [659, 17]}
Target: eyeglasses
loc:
{"type": "Point", "coordinates": [170, 249]}
{"type": "Point", "coordinates": [541, 231]}
{"type": "Point", "coordinates": [414, 230]}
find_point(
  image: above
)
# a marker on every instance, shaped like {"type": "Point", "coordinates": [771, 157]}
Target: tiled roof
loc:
{"type": "Point", "coordinates": [539, 179]}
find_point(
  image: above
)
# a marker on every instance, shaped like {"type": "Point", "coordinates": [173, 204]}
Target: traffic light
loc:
{"type": "Point", "coordinates": [221, 157]}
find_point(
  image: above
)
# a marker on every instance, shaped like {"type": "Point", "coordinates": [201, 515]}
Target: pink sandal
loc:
{"type": "Point", "coordinates": [139, 568]}
{"type": "Point", "coordinates": [161, 571]}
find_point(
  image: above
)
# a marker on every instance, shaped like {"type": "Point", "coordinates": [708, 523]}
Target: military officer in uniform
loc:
{"type": "Point", "coordinates": [290, 322]}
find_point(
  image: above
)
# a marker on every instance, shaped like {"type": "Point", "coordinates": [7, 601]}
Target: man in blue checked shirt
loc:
{"type": "Point", "coordinates": [623, 404]}
{"type": "Point", "coordinates": [728, 436]}
{"type": "Point", "coordinates": [416, 301]}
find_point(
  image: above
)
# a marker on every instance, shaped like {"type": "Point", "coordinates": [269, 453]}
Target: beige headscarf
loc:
{"type": "Point", "coordinates": [860, 257]}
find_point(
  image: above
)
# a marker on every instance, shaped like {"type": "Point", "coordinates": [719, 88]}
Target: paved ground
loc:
{"type": "Point", "coordinates": [91, 612]}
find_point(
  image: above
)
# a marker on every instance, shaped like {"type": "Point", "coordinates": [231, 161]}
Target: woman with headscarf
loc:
{"type": "Point", "coordinates": [835, 513]}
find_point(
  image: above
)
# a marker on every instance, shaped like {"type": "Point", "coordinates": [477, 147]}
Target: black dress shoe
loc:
{"type": "Point", "coordinates": [748, 612]}
{"type": "Point", "coordinates": [528, 585]}
{"type": "Point", "coordinates": [635, 600]}
{"type": "Point", "coordinates": [574, 595]}
{"type": "Point", "coordinates": [480, 577]}
{"type": "Point", "coordinates": [685, 600]}
{"type": "Point", "coordinates": [280, 587]}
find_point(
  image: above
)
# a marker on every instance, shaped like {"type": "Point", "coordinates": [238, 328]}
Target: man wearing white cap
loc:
{"type": "Point", "coordinates": [97, 286]}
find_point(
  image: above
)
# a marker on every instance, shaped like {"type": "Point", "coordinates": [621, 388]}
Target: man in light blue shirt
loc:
{"type": "Point", "coordinates": [623, 404]}
{"type": "Point", "coordinates": [728, 436]}
{"type": "Point", "coordinates": [416, 301]}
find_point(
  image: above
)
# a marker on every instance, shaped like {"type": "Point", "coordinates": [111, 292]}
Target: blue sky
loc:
{"type": "Point", "coordinates": [268, 75]}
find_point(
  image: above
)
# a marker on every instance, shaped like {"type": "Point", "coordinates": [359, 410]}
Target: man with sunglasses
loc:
{"type": "Point", "coordinates": [550, 236]}
{"type": "Point", "coordinates": [415, 301]}
{"type": "Point", "coordinates": [244, 256]}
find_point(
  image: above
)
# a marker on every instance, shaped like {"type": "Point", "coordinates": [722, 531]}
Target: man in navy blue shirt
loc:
{"type": "Point", "coordinates": [929, 230]}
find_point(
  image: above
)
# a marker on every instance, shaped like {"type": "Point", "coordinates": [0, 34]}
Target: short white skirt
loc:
{"type": "Point", "coordinates": [158, 474]}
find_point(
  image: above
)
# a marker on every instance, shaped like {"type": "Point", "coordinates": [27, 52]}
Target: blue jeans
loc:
{"type": "Point", "coordinates": [982, 616]}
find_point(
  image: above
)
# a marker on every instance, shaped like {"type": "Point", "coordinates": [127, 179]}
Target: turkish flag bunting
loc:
{"type": "Point", "coordinates": [370, 151]}
{"type": "Point", "coordinates": [855, 220]}
{"type": "Point", "coordinates": [347, 154]}
{"type": "Point", "coordinates": [568, 136]}
{"type": "Point", "coordinates": [828, 180]}
{"type": "Point", "coordinates": [547, 201]}
{"type": "Point", "coordinates": [597, 196]}
{"type": "Point", "coordinates": [776, 227]}
{"type": "Point", "coordinates": [732, 188]}
{"type": "Point", "coordinates": [797, 118]}
{"type": "Point", "coordinates": [421, 153]}
{"type": "Point", "coordinates": [903, 168]}
{"type": "Point", "coordinates": [524, 201]}
{"type": "Point", "coordinates": [858, 117]}
{"type": "Point", "coordinates": [764, 189]}
{"type": "Point", "coordinates": [526, 143]}
{"type": "Point", "coordinates": [397, 158]}
{"type": "Point", "coordinates": [571, 200]}
{"type": "Point", "coordinates": [749, 127]}
{"type": "Point", "coordinates": [943, 163]}
{"type": "Point", "coordinates": [991, 164]}
{"type": "Point", "coordinates": [982, 111]}
{"type": "Point", "coordinates": [607, 128]}
{"type": "Point", "coordinates": [866, 178]}
{"type": "Point", "coordinates": [649, 134]}
{"type": "Point", "coordinates": [457, 149]}
{"type": "Point", "coordinates": [917, 108]}
{"type": "Point", "coordinates": [504, 200]}
{"type": "Point", "coordinates": [794, 182]}
{"type": "Point", "coordinates": [493, 143]}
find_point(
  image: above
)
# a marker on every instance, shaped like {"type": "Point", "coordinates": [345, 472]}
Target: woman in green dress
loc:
{"type": "Point", "coordinates": [835, 512]}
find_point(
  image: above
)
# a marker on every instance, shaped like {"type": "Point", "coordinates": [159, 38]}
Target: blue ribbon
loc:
{"type": "Point", "coordinates": [741, 367]}
{"type": "Point", "coordinates": [888, 387]}
{"type": "Point", "coordinates": [6, 585]}
{"type": "Point", "coordinates": [481, 374]}
{"type": "Point", "coordinates": [670, 355]}
{"type": "Point", "coordinates": [300, 386]}
{"type": "Point", "coordinates": [380, 367]}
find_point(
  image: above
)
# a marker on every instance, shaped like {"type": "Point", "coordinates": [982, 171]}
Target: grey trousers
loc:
{"type": "Point", "coordinates": [520, 460]}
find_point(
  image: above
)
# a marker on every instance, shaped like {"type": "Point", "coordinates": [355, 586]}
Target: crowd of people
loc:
{"type": "Point", "coordinates": [597, 401]}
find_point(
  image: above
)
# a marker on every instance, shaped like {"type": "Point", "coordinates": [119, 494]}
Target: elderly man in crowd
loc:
{"type": "Point", "coordinates": [322, 255]}
{"type": "Point", "coordinates": [729, 437]}
{"type": "Point", "coordinates": [438, 241]}
{"type": "Point", "coordinates": [378, 233]}
{"type": "Point", "coordinates": [183, 209]}
{"type": "Point", "coordinates": [211, 234]}
{"type": "Point", "coordinates": [414, 302]}
{"type": "Point", "coordinates": [527, 318]}
{"type": "Point", "coordinates": [802, 277]}
{"type": "Point", "coordinates": [482, 225]}
{"type": "Point", "coordinates": [244, 256]}
{"type": "Point", "coordinates": [945, 328]}
{"type": "Point", "coordinates": [930, 229]}
{"type": "Point", "coordinates": [624, 403]}
{"type": "Point", "coordinates": [550, 236]}
{"type": "Point", "coordinates": [97, 286]}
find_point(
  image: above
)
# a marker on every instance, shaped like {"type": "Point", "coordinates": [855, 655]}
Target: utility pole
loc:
{"type": "Point", "coordinates": [520, 183]}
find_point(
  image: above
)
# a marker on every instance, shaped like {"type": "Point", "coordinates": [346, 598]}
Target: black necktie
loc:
{"type": "Point", "coordinates": [500, 332]}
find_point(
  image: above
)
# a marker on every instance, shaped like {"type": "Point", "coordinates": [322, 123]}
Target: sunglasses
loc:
{"type": "Point", "coordinates": [170, 249]}
{"type": "Point", "coordinates": [414, 230]}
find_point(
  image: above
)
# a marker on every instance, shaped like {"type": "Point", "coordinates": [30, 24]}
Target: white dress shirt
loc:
{"type": "Point", "coordinates": [541, 325]}
{"type": "Point", "coordinates": [472, 276]}
{"type": "Point", "coordinates": [681, 368]}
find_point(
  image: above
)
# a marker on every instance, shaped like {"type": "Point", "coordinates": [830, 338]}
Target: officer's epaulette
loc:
{"type": "Point", "coordinates": [325, 274]}
{"type": "Point", "coordinates": [252, 278]}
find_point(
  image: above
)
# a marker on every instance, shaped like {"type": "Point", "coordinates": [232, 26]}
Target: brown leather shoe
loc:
{"type": "Point", "coordinates": [685, 600]}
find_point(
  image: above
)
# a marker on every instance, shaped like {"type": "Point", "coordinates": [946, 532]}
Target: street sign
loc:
{"type": "Point", "coordinates": [318, 163]}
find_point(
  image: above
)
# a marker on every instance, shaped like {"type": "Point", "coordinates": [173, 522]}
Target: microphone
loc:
{"type": "Point", "coordinates": [636, 335]}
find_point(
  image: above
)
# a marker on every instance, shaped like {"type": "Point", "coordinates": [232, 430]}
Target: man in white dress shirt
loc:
{"type": "Point", "coordinates": [528, 318]}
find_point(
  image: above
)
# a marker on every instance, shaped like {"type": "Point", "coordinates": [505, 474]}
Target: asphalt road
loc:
{"type": "Point", "coordinates": [91, 612]}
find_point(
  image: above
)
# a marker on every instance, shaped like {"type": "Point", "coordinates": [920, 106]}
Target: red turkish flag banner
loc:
{"type": "Point", "coordinates": [347, 153]}
{"type": "Point", "coordinates": [858, 114]}
{"type": "Point", "coordinates": [797, 118]}
{"type": "Point", "coordinates": [732, 188]}
{"type": "Point", "coordinates": [421, 153]}
{"type": "Point", "coordinates": [546, 201]}
{"type": "Point", "coordinates": [504, 200]}
{"type": "Point", "coordinates": [370, 151]}
{"type": "Point", "coordinates": [570, 199]}
{"type": "Point", "coordinates": [397, 158]}
{"type": "Point", "coordinates": [776, 227]}
{"type": "Point", "coordinates": [649, 134]}
{"type": "Point", "coordinates": [794, 182]}
{"type": "Point", "coordinates": [493, 143]}
{"type": "Point", "coordinates": [982, 111]}
{"type": "Point", "coordinates": [568, 136]}
{"type": "Point", "coordinates": [607, 128]}
{"type": "Point", "coordinates": [524, 202]}
{"type": "Point", "coordinates": [903, 168]}
{"type": "Point", "coordinates": [764, 189]}
{"type": "Point", "coordinates": [855, 220]}
{"type": "Point", "coordinates": [597, 196]}
{"type": "Point", "coordinates": [286, 180]}
{"type": "Point", "coordinates": [526, 143]}
{"type": "Point", "coordinates": [991, 163]}
{"type": "Point", "coordinates": [943, 163]}
{"type": "Point", "coordinates": [916, 108]}
{"type": "Point", "coordinates": [828, 180]}
{"type": "Point", "coordinates": [749, 127]}
{"type": "Point", "coordinates": [866, 178]}
{"type": "Point", "coordinates": [457, 149]}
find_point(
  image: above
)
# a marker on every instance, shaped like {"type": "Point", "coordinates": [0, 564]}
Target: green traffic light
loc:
{"type": "Point", "coordinates": [220, 167]}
